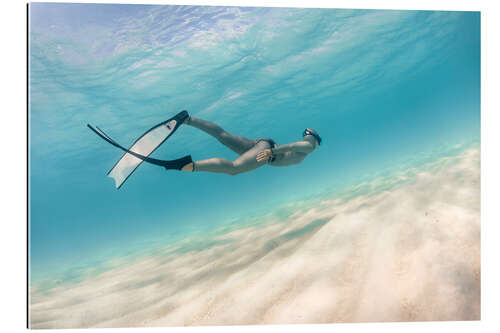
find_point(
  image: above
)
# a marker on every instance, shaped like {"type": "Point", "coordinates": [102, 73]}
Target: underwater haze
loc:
{"type": "Point", "coordinates": [387, 90]}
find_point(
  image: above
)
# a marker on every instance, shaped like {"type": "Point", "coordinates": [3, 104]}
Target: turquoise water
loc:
{"type": "Point", "coordinates": [381, 87]}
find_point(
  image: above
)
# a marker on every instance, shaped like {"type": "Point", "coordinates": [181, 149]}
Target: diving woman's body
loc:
{"type": "Point", "coordinates": [252, 153]}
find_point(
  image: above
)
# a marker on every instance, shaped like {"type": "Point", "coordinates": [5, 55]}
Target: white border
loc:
{"type": "Point", "coordinates": [13, 199]}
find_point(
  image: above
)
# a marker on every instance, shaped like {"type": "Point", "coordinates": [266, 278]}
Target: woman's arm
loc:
{"type": "Point", "coordinates": [296, 147]}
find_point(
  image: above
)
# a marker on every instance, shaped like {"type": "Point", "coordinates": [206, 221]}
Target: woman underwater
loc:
{"type": "Point", "coordinates": [252, 153]}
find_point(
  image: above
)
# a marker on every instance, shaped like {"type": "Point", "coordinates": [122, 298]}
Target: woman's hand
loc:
{"type": "Point", "coordinates": [264, 155]}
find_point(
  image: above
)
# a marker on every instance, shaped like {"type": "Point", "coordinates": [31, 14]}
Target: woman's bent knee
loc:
{"type": "Point", "coordinates": [236, 169]}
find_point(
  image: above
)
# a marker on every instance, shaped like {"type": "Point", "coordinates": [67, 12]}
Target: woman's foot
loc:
{"type": "Point", "coordinates": [179, 163]}
{"type": "Point", "coordinates": [188, 167]}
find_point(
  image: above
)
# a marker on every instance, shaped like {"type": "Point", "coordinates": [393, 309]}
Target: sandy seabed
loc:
{"type": "Point", "coordinates": [410, 252]}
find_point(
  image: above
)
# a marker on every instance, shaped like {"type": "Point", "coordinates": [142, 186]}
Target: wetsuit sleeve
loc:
{"type": "Point", "coordinates": [297, 147]}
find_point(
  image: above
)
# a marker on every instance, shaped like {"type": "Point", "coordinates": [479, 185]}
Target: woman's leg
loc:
{"type": "Point", "coordinates": [246, 162]}
{"type": "Point", "coordinates": [236, 143]}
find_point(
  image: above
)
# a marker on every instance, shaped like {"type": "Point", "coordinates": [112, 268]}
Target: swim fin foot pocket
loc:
{"type": "Point", "coordinates": [178, 164]}
{"type": "Point", "coordinates": [181, 116]}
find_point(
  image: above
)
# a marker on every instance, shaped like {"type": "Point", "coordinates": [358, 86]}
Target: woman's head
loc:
{"type": "Point", "coordinates": [310, 134]}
